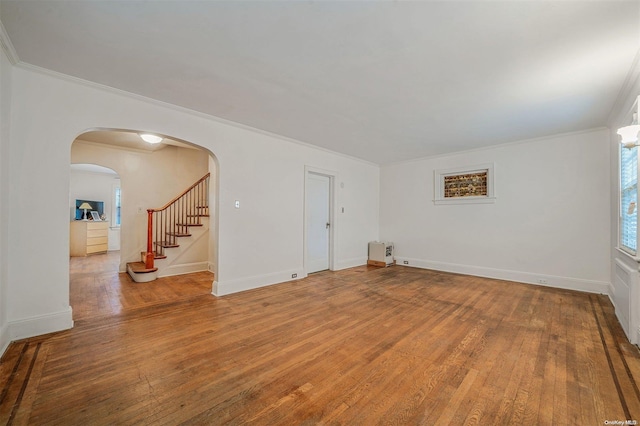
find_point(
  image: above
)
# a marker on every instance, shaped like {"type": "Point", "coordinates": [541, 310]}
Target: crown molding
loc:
{"type": "Point", "coordinates": [497, 146]}
{"type": "Point", "coordinates": [7, 46]}
{"type": "Point", "coordinates": [167, 105]}
{"type": "Point", "coordinates": [627, 95]}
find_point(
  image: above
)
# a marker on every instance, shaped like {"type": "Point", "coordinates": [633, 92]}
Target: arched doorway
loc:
{"type": "Point", "coordinates": [150, 175]}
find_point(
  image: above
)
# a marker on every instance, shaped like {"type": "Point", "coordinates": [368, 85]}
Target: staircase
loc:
{"type": "Point", "coordinates": [169, 227]}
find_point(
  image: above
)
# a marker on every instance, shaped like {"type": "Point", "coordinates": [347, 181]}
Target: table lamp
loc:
{"type": "Point", "coordinates": [85, 206]}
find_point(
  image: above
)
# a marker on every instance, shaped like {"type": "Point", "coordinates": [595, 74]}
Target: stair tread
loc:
{"type": "Point", "coordinates": [197, 215]}
{"type": "Point", "coordinates": [178, 234]}
{"type": "Point", "coordinates": [140, 268]}
{"type": "Point", "coordinates": [188, 224]}
{"type": "Point", "coordinates": [166, 244]}
{"type": "Point", "coordinates": [156, 255]}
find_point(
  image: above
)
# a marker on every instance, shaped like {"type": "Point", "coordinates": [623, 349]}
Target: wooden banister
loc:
{"type": "Point", "coordinates": [149, 258]}
{"type": "Point", "coordinates": [202, 179]}
{"type": "Point", "coordinates": [173, 220]}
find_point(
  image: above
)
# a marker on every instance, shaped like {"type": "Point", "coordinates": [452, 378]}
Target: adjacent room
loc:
{"type": "Point", "coordinates": [276, 212]}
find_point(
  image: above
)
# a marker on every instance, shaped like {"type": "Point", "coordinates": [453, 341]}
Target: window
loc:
{"type": "Point", "coordinates": [629, 199]}
{"type": "Point", "coordinates": [116, 206]}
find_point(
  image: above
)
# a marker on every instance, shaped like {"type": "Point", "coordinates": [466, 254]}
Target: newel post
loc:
{"type": "Point", "coordinates": [148, 261]}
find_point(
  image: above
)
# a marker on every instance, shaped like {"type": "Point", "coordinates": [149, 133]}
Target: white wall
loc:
{"type": "Point", "coordinates": [259, 244]}
{"type": "Point", "coordinates": [148, 180]}
{"type": "Point", "coordinates": [550, 221]}
{"type": "Point", "coordinates": [85, 185]}
{"type": "Point", "coordinates": [5, 123]}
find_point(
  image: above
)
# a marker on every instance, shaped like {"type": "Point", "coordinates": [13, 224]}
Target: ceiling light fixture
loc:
{"type": "Point", "coordinates": [150, 138]}
{"type": "Point", "coordinates": [629, 134]}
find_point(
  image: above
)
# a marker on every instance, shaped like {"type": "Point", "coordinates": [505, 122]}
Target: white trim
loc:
{"type": "Point", "coordinates": [627, 87]}
{"type": "Point", "coordinates": [258, 281]}
{"type": "Point", "coordinates": [141, 277]}
{"type": "Point", "coordinates": [7, 46]}
{"type": "Point", "coordinates": [622, 290]}
{"type": "Point", "coordinates": [623, 251]}
{"type": "Point", "coordinates": [93, 169]}
{"type": "Point", "coordinates": [109, 89]}
{"type": "Point", "coordinates": [465, 200]}
{"type": "Point", "coordinates": [43, 324]}
{"type": "Point", "coordinates": [351, 263]}
{"type": "Point", "coordinates": [627, 119]}
{"type": "Point", "coordinates": [185, 268]}
{"type": "Point", "coordinates": [4, 339]}
{"type": "Point", "coordinates": [496, 146]}
{"type": "Point", "coordinates": [333, 215]}
{"type": "Point", "coordinates": [567, 283]}
{"type": "Point", "coordinates": [438, 184]}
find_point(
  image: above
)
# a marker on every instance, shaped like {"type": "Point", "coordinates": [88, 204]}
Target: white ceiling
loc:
{"type": "Point", "coordinates": [128, 140]}
{"type": "Point", "coordinates": [379, 80]}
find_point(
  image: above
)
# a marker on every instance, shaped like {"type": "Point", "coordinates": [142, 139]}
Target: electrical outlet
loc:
{"type": "Point", "coordinates": [405, 262]}
{"type": "Point", "coordinates": [542, 281]}
{"type": "Point", "coordinates": [294, 275]}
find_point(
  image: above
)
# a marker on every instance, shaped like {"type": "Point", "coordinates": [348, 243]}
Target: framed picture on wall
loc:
{"type": "Point", "coordinates": [465, 185]}
{"type": "Point", "coordinates": [95, 216]}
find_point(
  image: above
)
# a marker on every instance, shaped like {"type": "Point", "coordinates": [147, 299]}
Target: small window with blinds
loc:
{"type": "Point", "coordinates": [629, 199]}
{"type": "Point", "coordinates": [117, 193]}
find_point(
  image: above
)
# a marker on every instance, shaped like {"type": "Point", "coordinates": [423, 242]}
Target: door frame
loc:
{"type": "Point", "coordinates": [333, 178]}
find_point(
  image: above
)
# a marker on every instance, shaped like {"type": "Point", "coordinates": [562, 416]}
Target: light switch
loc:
{"type": "Point", "coordinates": [237, 204]}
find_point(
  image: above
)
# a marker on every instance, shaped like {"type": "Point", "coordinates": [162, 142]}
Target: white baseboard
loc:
{"type": "Point", "coordinates": [250, 283]}
{"type": "Point", "coordinates": [185, 268]}
{"type": "Point", "coordinates": [4, 339]}
{"type": "Point", "coordinates": [567, 283]}
{"type": "Point", "coordinates": [351, 263]}
{"type": "Point", "coordinates": [35, 326]}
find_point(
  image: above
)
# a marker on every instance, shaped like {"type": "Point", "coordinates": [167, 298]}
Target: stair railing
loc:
{"type": "Point", "coordinates": [167, 223]}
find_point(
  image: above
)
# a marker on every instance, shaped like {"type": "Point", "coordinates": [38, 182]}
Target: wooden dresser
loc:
{"type": "Point", "coordinates": [88, 237]}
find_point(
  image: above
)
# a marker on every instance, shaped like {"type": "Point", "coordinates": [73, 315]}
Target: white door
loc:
{"type": "Point", "coordinates": [317, 222]}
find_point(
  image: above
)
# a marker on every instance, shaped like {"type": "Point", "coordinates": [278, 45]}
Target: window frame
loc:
{"type": "Point", "coordinates": [116, 194]}
{"type": "Point", "coordinates": [439, 179]}
{"type": "Point", "coordinates": [631, 118]}
{"type": "Point", "coordinates": [631, 187]}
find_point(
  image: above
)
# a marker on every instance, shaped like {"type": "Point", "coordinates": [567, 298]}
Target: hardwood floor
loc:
{"type": "Point", "coordinates": [96, 289]}
{"type": "Point", "coordinates": [362, 346]}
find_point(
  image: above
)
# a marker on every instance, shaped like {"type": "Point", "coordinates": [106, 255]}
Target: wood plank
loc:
{"type": "Point", "coordinates": [365, 345]}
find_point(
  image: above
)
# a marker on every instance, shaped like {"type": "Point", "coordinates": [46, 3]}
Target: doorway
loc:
{"type": "Point", "coordinates": [319, 224]}
{"type": "Point", "coordinates": [149, 177]}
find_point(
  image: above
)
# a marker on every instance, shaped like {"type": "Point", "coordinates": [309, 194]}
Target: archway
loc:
{"type": "Point", "coordinates": [150, 175]}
